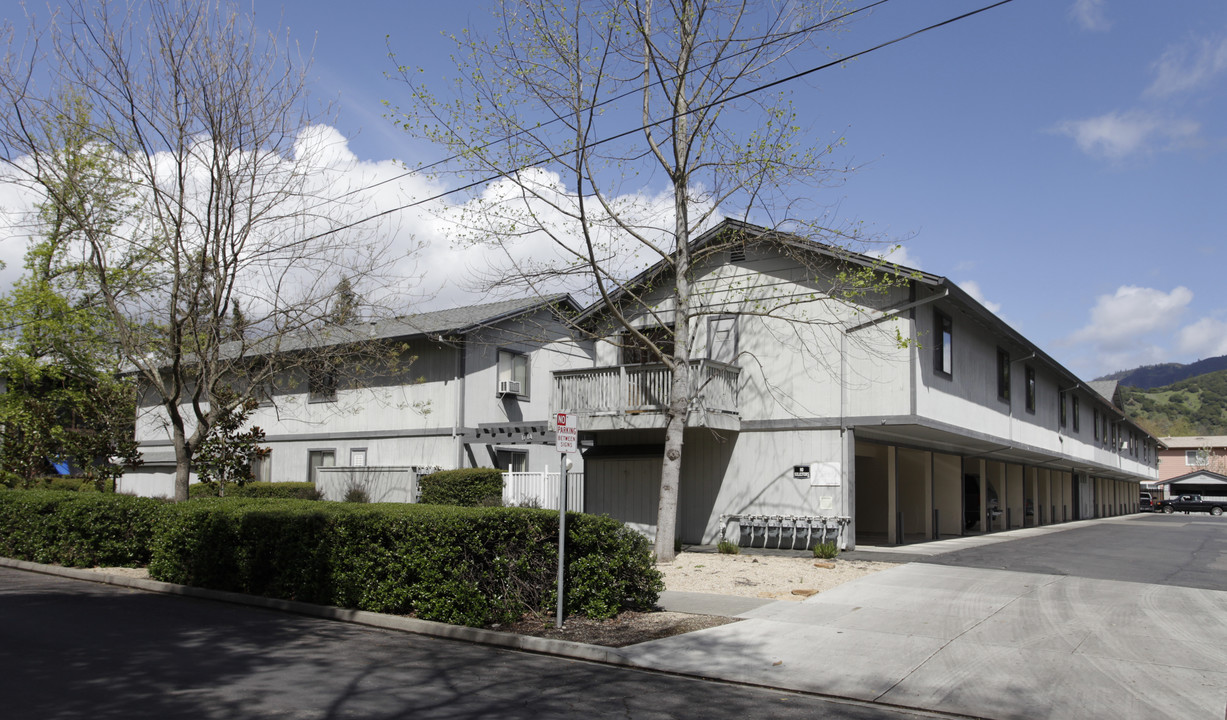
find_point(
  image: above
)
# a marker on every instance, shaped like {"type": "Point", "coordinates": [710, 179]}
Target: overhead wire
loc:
{"type": "Point", "coordinates": [621, 96]}
{"type": "Point", "coordinates": [662, 121]}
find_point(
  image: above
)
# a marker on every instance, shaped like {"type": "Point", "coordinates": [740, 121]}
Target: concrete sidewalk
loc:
{"type": "Point", "coordinates": [979, 642]}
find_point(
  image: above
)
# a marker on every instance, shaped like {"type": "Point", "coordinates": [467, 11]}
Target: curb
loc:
{"type": "Point", "coordinates": [480, 636]}
{"type": "Point", "coordinates": [524, 643]}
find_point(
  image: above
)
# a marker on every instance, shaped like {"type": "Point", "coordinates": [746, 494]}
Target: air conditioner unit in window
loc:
{"type": "Point", "coordinates": [508, 387]}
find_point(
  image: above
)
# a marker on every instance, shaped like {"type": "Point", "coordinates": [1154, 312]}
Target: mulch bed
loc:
{"type": "Point", "coordinates": [629, 628]}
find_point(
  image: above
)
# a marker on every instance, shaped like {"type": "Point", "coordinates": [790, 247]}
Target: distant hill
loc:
{"type": "Point", "coordinates": [1157, 376]}
{"type": "Point", "coordinates": [1192, 406]}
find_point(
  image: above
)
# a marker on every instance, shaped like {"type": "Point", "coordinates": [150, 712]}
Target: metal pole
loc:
{"type": "Point", "coordinates": [562, 537]}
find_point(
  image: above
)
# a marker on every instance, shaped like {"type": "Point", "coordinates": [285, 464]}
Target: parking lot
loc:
{"type": "Point", "coordinates": [1177, 550]}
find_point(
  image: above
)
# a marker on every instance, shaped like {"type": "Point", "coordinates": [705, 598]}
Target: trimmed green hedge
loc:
{"type": "Point", "coordinates": [469, 487]}
{"type": "Point", "coordinates": [285, 490]}
{"type": "Point", "coordinates": [77, 529]}
{"type": "Point", "coordinates": [468, 566]}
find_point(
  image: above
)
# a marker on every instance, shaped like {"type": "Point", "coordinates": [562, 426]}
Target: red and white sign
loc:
{"type": "Point", "coordinates": [566, 434]}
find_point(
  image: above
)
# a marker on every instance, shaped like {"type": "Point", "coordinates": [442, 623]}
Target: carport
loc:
{"type": "Point", "coordinates": [907, 492]}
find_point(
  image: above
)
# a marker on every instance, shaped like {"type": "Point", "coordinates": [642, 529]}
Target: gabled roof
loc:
{"type": "Point", "coordinates": [937, 283]}
{"type": "Point", "coordinates": [436, 324]}
{"type": "Point", "coordinates": [1105, 388]}
{"type": "Point", "coordinates": [1195, 442]}
{"type": "Point", "coordinates": [1206, 476]}
{"type": "Point", "coordinates": [454, 321]}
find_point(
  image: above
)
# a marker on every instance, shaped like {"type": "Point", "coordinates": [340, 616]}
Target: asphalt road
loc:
{"type": "Point", "coordinates": [1179, 550]}
{"type": "Point", "coordinates": [77, 649]}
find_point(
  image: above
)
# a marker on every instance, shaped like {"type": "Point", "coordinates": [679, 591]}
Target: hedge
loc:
{"type": "Point", "coordinates": [77, 529]}
{"type": "Point", "coordinates": [469, 566]}
{"type": "Point", "coordinates": [469, 487]}
{"type": "Point", "coordinates": [285, 490]}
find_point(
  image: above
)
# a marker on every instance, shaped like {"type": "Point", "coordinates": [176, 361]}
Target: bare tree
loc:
{"type": "Point", "coordinates": [214, 256]}
{"type": "Point", "coordinates": [582, 110]}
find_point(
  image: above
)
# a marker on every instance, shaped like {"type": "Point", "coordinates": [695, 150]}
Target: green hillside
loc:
{"type": "Point", "coordinates": [1164, 374]}
{"type": "Point", "coordinates": [1196, 406]}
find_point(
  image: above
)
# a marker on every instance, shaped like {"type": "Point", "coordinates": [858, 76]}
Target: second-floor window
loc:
{"type": "Point", "coordinates": [1003, 375]}
{"type": "Point", "coordinates": [637, 352]}
{"type": "Point", "coordinates": [321, 384]}
{"type": "Point", "coordinates": [1029, 373]}
{"type": "Point", "coordinates": [722, 339]}
{"type": "Point", "coordinates": [1074, 411]}
{"type": "Point", "coordinates": [512, 373]}
{"type": "Point", "coordinates": [1062, 418]}
{"type": "Point", "coordinates": [943, 348]}
{"type": "Point", "coordinates": [1095, 421]}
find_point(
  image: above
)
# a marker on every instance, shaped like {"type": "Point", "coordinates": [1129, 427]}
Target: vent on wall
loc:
{"type": "Point", "coordinates": [737, 255]}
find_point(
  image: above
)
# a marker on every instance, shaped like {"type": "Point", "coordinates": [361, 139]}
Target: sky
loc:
{"type": "Point", "coordinates": [1061, 160]}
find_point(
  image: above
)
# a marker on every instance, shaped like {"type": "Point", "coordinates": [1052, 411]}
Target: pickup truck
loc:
{"type": "Point", "coordinates": [1190, 503]}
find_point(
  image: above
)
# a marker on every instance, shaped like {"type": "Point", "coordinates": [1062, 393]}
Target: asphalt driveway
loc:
{"type": "Point", "coordinates": [1103, 619]}
{"type": "Point", "coordinates": [1174, 550]}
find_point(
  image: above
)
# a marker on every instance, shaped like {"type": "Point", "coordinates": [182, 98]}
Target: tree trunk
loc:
{"type": "Point", "coordinates": [183, 465]}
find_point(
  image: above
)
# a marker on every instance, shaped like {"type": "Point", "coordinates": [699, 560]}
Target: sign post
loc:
{"type": "Point", "coordinates": [567, 441]}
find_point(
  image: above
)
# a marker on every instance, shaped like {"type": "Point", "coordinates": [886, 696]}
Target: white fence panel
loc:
{"type": "Point", "coordinates": [541, 489]}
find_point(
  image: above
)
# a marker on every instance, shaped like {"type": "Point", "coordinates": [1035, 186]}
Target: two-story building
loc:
{"type": "Point", "coordinates": [1193, 464]}
{"type": "Point", "coordinates": [908, 408]}
{"type": "Point", "coordinates": [833, 389]}
{"type": "Point", "coordinates": [471, 388]}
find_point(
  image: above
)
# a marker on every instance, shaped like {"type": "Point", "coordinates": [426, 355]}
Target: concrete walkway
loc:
{"type": "Point", "coordinates": [979, 642]}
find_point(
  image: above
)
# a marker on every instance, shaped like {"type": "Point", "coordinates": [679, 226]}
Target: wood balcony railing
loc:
{"type": "Point", "coordinates": [636, 389]}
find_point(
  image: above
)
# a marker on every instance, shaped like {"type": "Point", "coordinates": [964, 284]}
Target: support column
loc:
{"type": "Point", "coordinates": [892, 495]}
{"type": "Point", "coordinates": [928, 491]}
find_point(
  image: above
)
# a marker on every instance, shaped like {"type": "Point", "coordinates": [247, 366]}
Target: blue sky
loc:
{"type": "Point", "coordinates": [1063, 160]}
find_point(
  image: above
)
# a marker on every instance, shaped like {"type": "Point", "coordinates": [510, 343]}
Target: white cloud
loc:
{"type": "Point", "coordinates": [897, 254]}
{"type": "Point", "coordinates": [1189, 66]}
{"type": "Point", "coordinates": [1116, 135]}
{"type": "Point", "coordinates": [973, 289]}
{"type": "Point", "coordinates": [1119, 321]}
{"type": "Point", "coordinates": [1203, 339]}
{"type": "Point", "coordinates": [1090, 15]}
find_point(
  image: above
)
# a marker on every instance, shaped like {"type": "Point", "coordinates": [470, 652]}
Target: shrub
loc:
{"type": "Point", "coordinates": [468, 487]}
{"type": "Point", "coordinates": [77, 529]}
{"type": "Point", "coordinates": [724, 547]}
{"type": "Point", "coordinates": [283, 490]}
{"type": "Point", "coordinates": [826, 550]}
{"type": "Point", "coordinates": [355, 493]}
{"type": "Point", "coordinates": [470, 566]}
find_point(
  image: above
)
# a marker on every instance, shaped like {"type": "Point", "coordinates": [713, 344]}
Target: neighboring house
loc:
{"type": "Point", "coordinates": [1188, 454]}
{"type": "Point", "coordinates": [473, 391]}
{"type": "Point", "coordinates": [1210, 485]}
{"type": "Point", "coordinates": [812, 408]}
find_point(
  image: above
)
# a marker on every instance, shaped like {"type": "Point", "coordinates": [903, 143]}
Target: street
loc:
{"type": "Point", "coordinates": [77, 649]}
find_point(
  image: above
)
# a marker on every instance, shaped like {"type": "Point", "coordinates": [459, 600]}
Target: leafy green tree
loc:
{"type": "Point", "coordinates": [63, 399]}
{"type": "Point", "coordinates": [230, 451]}
{"type": "Point", "coordinates": [206, 126]}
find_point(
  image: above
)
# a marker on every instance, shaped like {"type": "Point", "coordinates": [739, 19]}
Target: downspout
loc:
{"type": "Point", "coordinates": [458, 416]}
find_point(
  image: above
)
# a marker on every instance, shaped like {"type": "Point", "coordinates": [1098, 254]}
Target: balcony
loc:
{"type": "Point", "coordinates": [634, 396]}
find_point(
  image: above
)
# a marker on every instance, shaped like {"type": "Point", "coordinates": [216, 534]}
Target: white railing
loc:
{"type": "Point", "coordinates": [540, 489]}
{"type": "Point", "coordinates": [643, 388]}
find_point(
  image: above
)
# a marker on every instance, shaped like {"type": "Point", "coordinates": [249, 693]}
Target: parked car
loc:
{"type": "Point", "coordinates": [1191, 503]}
{"type": "Point", "coordinates": [1145, 502]}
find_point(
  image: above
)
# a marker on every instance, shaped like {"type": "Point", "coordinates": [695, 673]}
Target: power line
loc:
{"type": "Point", "coordinates": [662, 121]}
{"type": "Point", "coordinates": [628, 93]}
